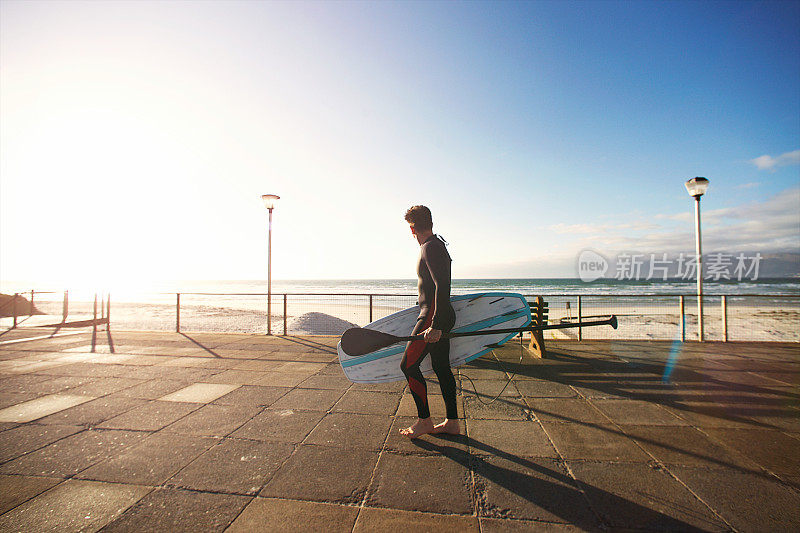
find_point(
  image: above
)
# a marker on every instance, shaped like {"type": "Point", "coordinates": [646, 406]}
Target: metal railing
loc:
{"type": "Point", "coordinates": [756, 317]}
{"type": "Point", "coordinates": [53, 309]}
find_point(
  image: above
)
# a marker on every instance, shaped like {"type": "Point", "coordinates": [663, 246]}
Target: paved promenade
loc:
{"type": "Point", "coordinates": [132, 431]}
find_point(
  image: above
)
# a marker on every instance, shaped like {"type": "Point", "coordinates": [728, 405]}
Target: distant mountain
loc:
{"type": "Point", "coordinates": [786, 265]}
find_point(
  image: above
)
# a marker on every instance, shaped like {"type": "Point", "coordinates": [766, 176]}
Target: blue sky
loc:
{"type": "Point", "coordinates": [532, 130]}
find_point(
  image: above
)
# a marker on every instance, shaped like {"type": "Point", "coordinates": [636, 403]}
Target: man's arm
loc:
{"type": "Point", "coordinates": [438, 261]}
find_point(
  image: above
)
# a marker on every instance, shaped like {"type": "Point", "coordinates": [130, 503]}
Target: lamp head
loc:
{"type": "Point", "coordinates": [270, 200]}
{"type": "Point", "coordinates": [697, 187]}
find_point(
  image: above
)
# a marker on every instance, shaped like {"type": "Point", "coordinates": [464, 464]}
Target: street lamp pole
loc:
{"type": "Point", "coordinates": [697, 187]}
{"type": "Point", "coordinates": [270, 200]}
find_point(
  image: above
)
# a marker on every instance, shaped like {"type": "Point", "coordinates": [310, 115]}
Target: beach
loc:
{"type": "Point", "coordinates": [640, 317]}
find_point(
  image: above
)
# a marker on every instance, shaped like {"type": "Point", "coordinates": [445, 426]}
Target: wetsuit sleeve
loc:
{"type": "Point", "coordinates": [438, 261]}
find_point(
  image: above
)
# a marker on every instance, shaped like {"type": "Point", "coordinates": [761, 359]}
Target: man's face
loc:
{"type": "Point", "coordinates": [413, 230]}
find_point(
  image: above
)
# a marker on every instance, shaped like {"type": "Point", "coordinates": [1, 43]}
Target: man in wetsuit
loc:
{"type": "Point", "coordinates": [436, 316]}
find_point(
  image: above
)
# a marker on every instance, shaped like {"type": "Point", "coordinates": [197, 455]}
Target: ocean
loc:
{"type": "Point", "coordinates": [529, 287]}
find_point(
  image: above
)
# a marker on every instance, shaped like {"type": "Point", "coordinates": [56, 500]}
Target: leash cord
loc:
{"type": "Point", "coordinates": [475, 389]}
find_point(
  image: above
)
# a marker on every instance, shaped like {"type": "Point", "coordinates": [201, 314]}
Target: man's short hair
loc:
{"type": "Point", "coordinates": [420, 217]}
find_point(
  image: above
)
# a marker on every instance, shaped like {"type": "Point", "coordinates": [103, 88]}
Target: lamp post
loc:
{"type": "Point", "coordinates": [270, 200]}
{"type": "Point", "coordinates": [697, 188]}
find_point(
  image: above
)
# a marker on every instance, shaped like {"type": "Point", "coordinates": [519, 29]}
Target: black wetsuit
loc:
{"type": "Point", "coordinates": [433, 271]}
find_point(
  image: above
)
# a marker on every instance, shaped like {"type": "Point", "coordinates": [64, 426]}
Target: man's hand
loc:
{"type": "Point", "coordinates": [432, 335]}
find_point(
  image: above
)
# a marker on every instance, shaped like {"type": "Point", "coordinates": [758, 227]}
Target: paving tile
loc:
{"type": "Point", "coordinates": [177, 510]}
{"type": "Point", "coordinates": [93, 412]}
{"type": "Point", "coordinates": [685, 446]}
{"type": "Point", "coordinates": [502, 408]}
{"type": "Point", "coordinates": [747, 501]}
{"type": "Point", "coordinates": [151, 416]}
{"type": "Point", "coordinates": [103, 386]}
{"type": "Point", "coordinates": [392, 386]}
{"type": "Point", "coordinates": [151, 462]}
{"type": "Point", "coordinates": [234, 466]}
{"type": "Point", "coordinates": [323, 473]}
{"type": "Point", "coordinates": [773, 450]}
{"type": "Point", "coordinates": [371, 519]}
{"type": "Point", "coordinates": [214, 420]}
{"type": "Point", "coordinates": [197, 362]}
{"type": "Point", "coordinates": [706, 415]}
{"type": "Point", "coordinates": [638, 496]}
{"type": "Point", "coordinates": [237, 377]}
{"type": "Point", "coordinates": [319, 381]}
{"type": "Point", "coordinates": [20, 366]}
{"type": "Point", "coordinates": [253, 395]}
{"type": "Point", "coordinates": [368, 403]}
{"type": "Point", "coordinates": [199, 393]}
{"type": "Point", "coordinates": [7, 399]}
{"type": "Point", "coordinates": [281, 379]}
{"type": "Point", "coordinates": [787, 420]}
{"type": "Point", "coordinates": [151, 389]}
{"type": "Point", "coordinates": [189, 375]}
{"type": "Point", "coordinates": [351, 431]}
{"type": "Point", "coordinates": [70, 455]}
{"type": "Point", "coordinates": [497, 525]}
{"type": "Point", "coordinates": [488, 388]}
{"type": "Point", "coordinates": [73, 506]}
{"type": "Point", "coordinates": [283, 425]}
{"type": "Point", "coordinates": [308, 399]}
{"type": "Point", "coordinates": [509, 486]}
{"type": "Point", "coordinates": [29, 437]}
{"type": "Point", "coordinates": [637, 412]}
{"type": "Point", "coordinates": [426, 444]}
{"type": "Point", "coordinates": [593, 442]}
{"type": "Point", "coordinates": [436, 405]}
{"type": "Point", "coordinates": [41, 407]}
{"type": "Point", "coordinates": [19, 489]}
{"type": "Point", "coordinates": [509, 436]}
{"type": "Point", "coordinates": [545, 389]}
{"type": "Point", "coordinates": [422, 483]}
{"type": "Point", "coordinates": [289, 516]}
{"type": "Point", "coordinates": [566, 410]}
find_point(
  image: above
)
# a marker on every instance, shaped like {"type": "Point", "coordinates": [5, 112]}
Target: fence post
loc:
{"type": "Point", "coordinates": [177, 312]}
{"type": "Point", "coordinates": [65, 307]}
{"type": "Point", "coordinates": [683, 320]}
{"type": "Point", "coordinates": [580, 314]}
{"type": "Point", "coordinates": [94, 317]}
{"type": "Point", "coordinates": [724, 319]}
{"type": "Point", "coordinates": [14, 308]}
{"type": "Point", "coordinates": [284, 314]}
{"type": "Point", "coordinates": [370, 308]}
{"type": "Point", "coordinates": [108, 311]}
{"type": "Point", "coordinates": [30, 309]}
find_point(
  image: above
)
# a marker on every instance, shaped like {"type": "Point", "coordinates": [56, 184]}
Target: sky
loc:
{"type": "Point", "coordinates": [136, 138]}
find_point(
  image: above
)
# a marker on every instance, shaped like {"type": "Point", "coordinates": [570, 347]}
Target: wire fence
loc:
{"type": "Point", "coordinates": [641, 317]}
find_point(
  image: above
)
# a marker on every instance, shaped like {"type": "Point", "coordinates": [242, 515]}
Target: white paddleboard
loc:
{"type": "Point", "coordinates": [474, 312]}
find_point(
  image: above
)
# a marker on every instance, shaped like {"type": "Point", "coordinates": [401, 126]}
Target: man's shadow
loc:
{"type": "Point", "coordinates": [554, 491]}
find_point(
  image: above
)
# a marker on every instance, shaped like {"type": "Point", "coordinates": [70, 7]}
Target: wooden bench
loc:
{"type": "Point", "coordinates": [539, 310]}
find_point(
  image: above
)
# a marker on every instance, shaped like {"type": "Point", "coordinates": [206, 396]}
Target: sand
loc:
{"type": "Point", "coordinates": [660, 321]}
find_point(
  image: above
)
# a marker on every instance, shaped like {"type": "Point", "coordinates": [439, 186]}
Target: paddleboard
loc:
{"type": "Point", "coordinates": [474, 312]}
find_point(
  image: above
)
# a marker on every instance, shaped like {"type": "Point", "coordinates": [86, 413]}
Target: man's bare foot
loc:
{"type": "Point", "coordinates": [420, 427]}
{"type": "Point", "coordinates": [452, 427]}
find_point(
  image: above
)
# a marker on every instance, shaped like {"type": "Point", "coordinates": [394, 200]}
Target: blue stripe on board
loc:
{"type": "Point", "coordinates": [475, 326]}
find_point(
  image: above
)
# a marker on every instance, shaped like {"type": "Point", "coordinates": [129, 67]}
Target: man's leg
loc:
{"type": "Point", "coordinates": [440, 360]}
{"type": "Point", "coordinates": [415, 352]}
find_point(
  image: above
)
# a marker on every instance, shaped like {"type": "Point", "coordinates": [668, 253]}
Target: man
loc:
{"type": "Point", "coordinates": [436, 316]}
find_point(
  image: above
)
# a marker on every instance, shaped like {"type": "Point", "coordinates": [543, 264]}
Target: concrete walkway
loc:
{"type": "Point", "coordinates": [135, 431]}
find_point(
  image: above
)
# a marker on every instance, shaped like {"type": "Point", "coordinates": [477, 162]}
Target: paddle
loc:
{"type": "Point", "coordinates": [360, 341]}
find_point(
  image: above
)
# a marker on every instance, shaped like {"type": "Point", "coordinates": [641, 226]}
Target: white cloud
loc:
{"type": "Point", "coordinates": [767, 162]}
{"type": "Point", "coordinates": [748, 185]}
